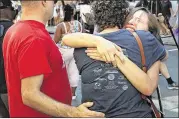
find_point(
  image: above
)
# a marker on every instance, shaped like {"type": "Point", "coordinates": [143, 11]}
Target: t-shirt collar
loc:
{"type": "Point", "coordinates": [33, 22]}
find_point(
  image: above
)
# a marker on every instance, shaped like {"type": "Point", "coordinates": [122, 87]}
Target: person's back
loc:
{"type": "Point", "coordinates": [142, 3]}
{"type": "Point", "coordinates": [107, 87]}
{"type": "Point", "coordinates": [29, 41]}
{"type": "Point", "coordinates": [71, 27]}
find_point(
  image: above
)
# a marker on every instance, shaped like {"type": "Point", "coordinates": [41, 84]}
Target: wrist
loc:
{"type": "Point", "coordinates": [98, 41]}
{"type": "Point", "coordinates": [73, 112]}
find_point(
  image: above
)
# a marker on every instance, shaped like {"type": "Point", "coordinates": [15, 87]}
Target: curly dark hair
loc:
{"type": "Point", "coordinates": [109, 13]}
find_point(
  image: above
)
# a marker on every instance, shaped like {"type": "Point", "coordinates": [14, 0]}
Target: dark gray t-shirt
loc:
{"type": "Point", "coordinates": [107, 87]}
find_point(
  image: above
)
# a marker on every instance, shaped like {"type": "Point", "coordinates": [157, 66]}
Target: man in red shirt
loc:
{"type": "Point", "coordinates": [37, 81]}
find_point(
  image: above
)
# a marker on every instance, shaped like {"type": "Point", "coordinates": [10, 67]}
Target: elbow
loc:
{"type": "Point", "coordinates": [148, 92]}
{"type": "Point", "coordinates": [27, 98]}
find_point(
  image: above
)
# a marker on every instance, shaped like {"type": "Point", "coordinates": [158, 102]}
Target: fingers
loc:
{"type": "Point", "coordinates": [96, 114]}
{"type": "Point", "coordinates": [111, 55]}
{"type": "Point", "coordinates": [92, 113]}
{"type": "Point", "coordinates": [91, 48]}
{"type": "Point", "coordinates": [108, 58]}
{"type": "Point", "coordinates": [97, 58]}
{"type": "Point", "coordinates": [118, 48]}
{"type": "Point", "coordinates": [121, 56]}
{"type": "Point", "coordinates": [87, 104]}
{"type": "Point", "coordinates": [119, 53]}
{"type": "Point", "coordinates": [85, 112]}
{"type": "Point", "coordinates": [93, 54]}
{"type": "Point", "coordinates": [91, 51]}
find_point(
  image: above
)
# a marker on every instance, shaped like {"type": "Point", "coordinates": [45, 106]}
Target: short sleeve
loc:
{"type": "Point", "coordinates": [170, 4]}
{"type": "Point", "coordinates": [32, 58]}
{"type": "Point", "coordinates": [159, 51]}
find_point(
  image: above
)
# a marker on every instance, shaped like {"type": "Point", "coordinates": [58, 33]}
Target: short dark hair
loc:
{"type": "Point", "coordinates": [109, 13]}
{"type": "Point", "coordinates": [68, 10]}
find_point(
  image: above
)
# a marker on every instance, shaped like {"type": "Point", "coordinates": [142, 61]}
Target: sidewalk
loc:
{"type": "Point", "coordinates": [168, 40]}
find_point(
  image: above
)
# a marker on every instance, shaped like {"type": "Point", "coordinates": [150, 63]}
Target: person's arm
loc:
{"type": "Point", "coordinates": [58, 34]}
{"type": "Point", "coordinates": [175, 14]}
{"type": "Point", "coordinates": [170, 8]}
{"type": "Point", "coordinates": [34, 98]}
{"type": "Point", "coordinates": [32, 79]}
{"type": "Point", "coordinates": [105, 48]}
{"type": "Point", "coordinates": [144, 83]}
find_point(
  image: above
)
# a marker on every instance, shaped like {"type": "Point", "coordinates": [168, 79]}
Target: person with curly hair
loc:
{"type": "Point", "coordinates": [116, 91]}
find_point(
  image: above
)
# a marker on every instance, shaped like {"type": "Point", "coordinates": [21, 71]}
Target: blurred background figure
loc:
{"type": "Point", "coordinates": [8, 14]}
{"type": "Point", "coordinates": [68, 26]}
{"type": "Point", "coordinates": [167, 8]}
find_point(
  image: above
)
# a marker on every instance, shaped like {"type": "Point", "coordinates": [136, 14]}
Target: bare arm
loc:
{"type": "Point", "coordinates": [34, 98]}
{"type": "Point", "coordinates": [171, 11]}
{"type": "Point", "coordinates": [105, 48]}
{"type": "Point", "coordinates": [145, 83]}
{"type": "Point", "coordinates": [78, 40]}
{"type": "Point", "coordinates": [58, 34]}
{"type": "Point", "coordinates": [176, 11]}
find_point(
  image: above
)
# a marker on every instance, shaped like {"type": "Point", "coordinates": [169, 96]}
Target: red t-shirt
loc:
{"type": "Point", "coordinates": [29, 51]}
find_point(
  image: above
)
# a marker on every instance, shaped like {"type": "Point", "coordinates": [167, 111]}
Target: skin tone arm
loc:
{"type": "Point", "coordinates": [145, 83]}
{"type": "Point", "coordinates": [171, 11]}
{"type": "Point", "coordinates": [175, 14]}
{"type": "Point", "coordinates": [58, 34]}
{"type": "Point", "coordinates": [34, 98]}
{"type": "Point", "coordinates": [144, 88]}
{"type": "Point", "coordinates": [106, 49]}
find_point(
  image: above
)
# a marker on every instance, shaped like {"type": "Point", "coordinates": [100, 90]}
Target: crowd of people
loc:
{"type": "Point", "coordinates": [92, 43]}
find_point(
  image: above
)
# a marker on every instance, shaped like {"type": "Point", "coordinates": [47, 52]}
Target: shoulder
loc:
{"type": "Point", "coordinates": [60, 25]}
{"type": "Point", "coordinates": [146, 37]}
{"type": "Point", "coordinates": [145, 34]}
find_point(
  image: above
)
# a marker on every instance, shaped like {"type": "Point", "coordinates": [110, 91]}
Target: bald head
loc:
{"type": "Point", "coordinates": [37, 9]}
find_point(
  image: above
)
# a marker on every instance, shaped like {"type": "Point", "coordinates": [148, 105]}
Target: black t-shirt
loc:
{"type": "Point", "coordinates": [107, 87]}
{"type": "Point", "coordinates": [5, 25]}
{"type": "Point", "coordinates": [166, 4]}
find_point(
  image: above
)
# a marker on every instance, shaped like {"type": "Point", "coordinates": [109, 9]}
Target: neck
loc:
{"type": "Point", "coordinates": [109, 30]}
{"type": "Point", "coordinates": [33, 16]}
